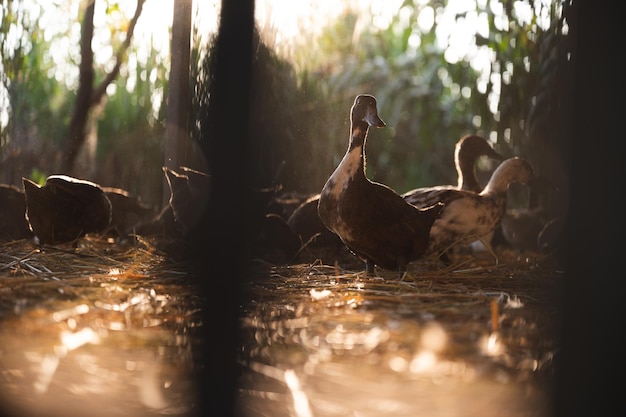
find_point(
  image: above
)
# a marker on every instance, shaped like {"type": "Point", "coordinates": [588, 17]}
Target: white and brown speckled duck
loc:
{"type": "Point", "coordinates": [372, 220]}
{"type": "Point", "coordinates": [469, 216]}
{"type": "Point", "coordinates": [466, 152]}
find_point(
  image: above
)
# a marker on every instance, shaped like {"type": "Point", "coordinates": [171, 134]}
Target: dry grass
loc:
{"type": "Point", "coordinates": [501, 321]}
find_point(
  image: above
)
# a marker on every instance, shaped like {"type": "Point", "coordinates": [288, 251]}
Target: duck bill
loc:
{"type": "Point", "coordinates": [372, 119]}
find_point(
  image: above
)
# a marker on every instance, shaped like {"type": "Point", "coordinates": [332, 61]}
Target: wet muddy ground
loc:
{"type": "Point", "coordinates": [108, 329]}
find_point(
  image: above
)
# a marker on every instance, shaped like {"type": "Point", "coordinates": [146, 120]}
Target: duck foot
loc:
{"type": "Point", "coordinates": [444, 257]}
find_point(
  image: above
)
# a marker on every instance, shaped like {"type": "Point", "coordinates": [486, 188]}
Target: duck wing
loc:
{"type": "Point", "coordinates": [467, 216]}
{"type": "Point", "coordinates": [426, 196]}
{"type": "Point", "coordinates": [429, 196]}
{"type": "Point", "coordinates": [384, 228]}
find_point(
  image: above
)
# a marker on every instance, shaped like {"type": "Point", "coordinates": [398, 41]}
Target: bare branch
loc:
{"type": "Point", "coordinates": [101, 89]}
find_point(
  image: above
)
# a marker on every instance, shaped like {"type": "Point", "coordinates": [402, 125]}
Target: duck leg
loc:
{"type": "Point", "coordinates": [445, 258]}
{"type": "Point", "coordinates": [401, 268]}
{"type": "Point", "coordinates": [486, 243]}
{"type": "Point", "coordinates": [369, 267]}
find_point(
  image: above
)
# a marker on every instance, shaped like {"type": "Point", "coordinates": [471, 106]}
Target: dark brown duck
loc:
{"type": "Point", "coordinates": [65, 208]}
{"type": "Point", "coordinates": [372, 220]}
{"type": "Point", "coordinates": [307, 225]}
{"type": "Point", "coordinates": [127, 211]}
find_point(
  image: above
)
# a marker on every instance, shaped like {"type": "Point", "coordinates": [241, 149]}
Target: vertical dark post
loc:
{"type": "Point", "coordinates": [592, 355]}
{"type": "Point", "coordinates": [178, 97]}
{"type": "Point", "coordinates": [221, 240]}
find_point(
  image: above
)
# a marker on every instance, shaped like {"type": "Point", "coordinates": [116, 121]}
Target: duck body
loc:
{"type": "Point", "coordinates": [13, 223]}
{"type": "Point", "coordinates": [371, 219]}
{"type": "Point", "coordinates": [65, 208]}
{"type": "Point", "coordinates": [307, 225]}
{"type": "Point", "coordinates": [126, 211]}
{"type": "Point", "coordinates": [470, 216]}
{"type": "Point", "coordinates": [189, 194]}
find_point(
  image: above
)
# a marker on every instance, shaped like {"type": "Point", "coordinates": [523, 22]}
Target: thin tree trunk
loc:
{"type": "Point", "coordinates": [89, 96]}
{"type": "Point", "coordinates": [77, 129]}
{"type": "Point", "coordinates": [178, 98]}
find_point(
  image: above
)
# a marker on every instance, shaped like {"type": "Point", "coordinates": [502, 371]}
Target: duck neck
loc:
{"type": "Point", "coordinates": [467, 176]}
{"type": "Point", "coordinates": [356, 148]}
{"type": "Point", "coordinates": [498, 184]}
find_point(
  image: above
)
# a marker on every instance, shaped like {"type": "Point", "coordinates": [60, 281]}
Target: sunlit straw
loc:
{"type": "Point", "coordinates": [61, 315]}
{"type": "Point", "coordinates": [319, 295]}
{"type": "Point", "coordinates": [47, 370]}
{"type": "Point", "coordinates": [300, 399]}
{"type": "Point", "coordinates": [74, 340]}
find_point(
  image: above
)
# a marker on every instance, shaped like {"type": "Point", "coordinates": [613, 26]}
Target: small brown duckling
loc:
{"type": "Point", "coordinates": [372, 220]}
{"type": "Point", "coordinates": [65, 208]}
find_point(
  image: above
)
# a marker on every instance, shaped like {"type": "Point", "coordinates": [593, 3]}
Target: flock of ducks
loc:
{"type": "Point", "coordinates": [383, 228]}
{"type": "Point", "coordinates": [388, 229]}
{"type": "Point", "coordinates": [65, 208]}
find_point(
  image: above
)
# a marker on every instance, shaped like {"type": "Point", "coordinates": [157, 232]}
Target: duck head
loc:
{"type": "Point", "coordinates": [470, 147]}
{"type": "Point", "coordinates": [511, 170]}
{"type": "Point", "coordinates": [364, 110]}
{"type": "Point", "coordinates": [467, 150]}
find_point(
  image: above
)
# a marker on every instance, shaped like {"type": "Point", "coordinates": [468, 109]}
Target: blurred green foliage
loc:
{"type": "Point", "coordinates": [301, 102]}
{"type": "Point", "coordinates": [130, 132]}
{"type": "Point", "coordinates": [302, 121]}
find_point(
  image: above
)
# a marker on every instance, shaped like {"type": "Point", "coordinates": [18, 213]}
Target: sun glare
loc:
{"type": "Point", "coordinates": [285, 25]}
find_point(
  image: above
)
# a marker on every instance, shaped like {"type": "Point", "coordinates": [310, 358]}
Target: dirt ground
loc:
{"type": "Point", "coordinates": [116, 329]}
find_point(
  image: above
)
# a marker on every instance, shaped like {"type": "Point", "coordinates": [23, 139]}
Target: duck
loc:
{"type": "Point", "coordinates": [468, 216]}
{"type": "Point", "coordinates": [127, 211]}
{"type": "Point", "coordinates": [13, 224]}
{"type": "Point", "coordinates": [274, 241]}
{"type": "Point", "coordinates": [535, 227]}
{"type": "Point", "coordinates": [65, 208]}
{"type": "Point", "coordinates": [466, 152]}
{"type": "Point", "coordinates": [372, 220]}
{"type": "Point", "coordinates": [306, 224]}
{"type": "Point", "coordinates": [189, 195]}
